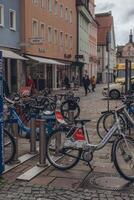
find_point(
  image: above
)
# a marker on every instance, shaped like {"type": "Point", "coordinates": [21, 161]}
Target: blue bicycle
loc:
{"type": "Point", "coordinates": [34, 111]}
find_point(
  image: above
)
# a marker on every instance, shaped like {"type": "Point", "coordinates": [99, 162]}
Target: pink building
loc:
{"type": "Point", "coordinates": [49, 39]}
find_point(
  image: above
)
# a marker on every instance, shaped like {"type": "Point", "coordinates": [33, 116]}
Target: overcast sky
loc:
{"type": "Point", "coordinates": [123, 13]}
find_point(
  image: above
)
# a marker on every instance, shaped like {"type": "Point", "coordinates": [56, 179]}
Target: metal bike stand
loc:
{"type": "Point", "coordinates": [71, 115]}
{"type": "Point", "coordinates": [33, 136]}
{"type": "Point", "coordinates": [15, 131]}
{"type": "Point", "coordinates": [42, 144]}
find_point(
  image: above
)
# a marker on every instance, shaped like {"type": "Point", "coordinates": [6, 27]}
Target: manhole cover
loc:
{"type": "Point", "coordinates": [106, 182]}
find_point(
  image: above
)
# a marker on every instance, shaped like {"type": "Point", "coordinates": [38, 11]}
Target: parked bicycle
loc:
{"type": "Point", "coordinates": [66, 148]}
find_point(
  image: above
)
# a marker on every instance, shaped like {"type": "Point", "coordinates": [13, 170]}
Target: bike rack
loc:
{"type": "Point", "coordinates": [71, 115]}
{"type": "Point", "coordinates": [33, 136]}
{"type": "Point", "coordinates": [15, 131]}
{"type": "Point", "coordinates": [42, 144]}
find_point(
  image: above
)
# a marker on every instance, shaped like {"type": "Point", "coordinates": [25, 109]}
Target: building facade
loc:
{"type": "Point", "coordinates": [49, 40]}
{"type": "Point", "coordinates": [105, 25]}
{"type": "Point", "coordinates": [10, 41]}
{"type": "Point", "coordinates": [92, 71]}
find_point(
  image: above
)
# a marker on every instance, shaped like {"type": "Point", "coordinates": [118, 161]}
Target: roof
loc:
{"type": "Point", "coordinates": [105, 21]}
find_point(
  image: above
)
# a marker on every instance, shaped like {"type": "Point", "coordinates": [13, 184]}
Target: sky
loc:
{"type": "Point", "coordinates": [123, 13]}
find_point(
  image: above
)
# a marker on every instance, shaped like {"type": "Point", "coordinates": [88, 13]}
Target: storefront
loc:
{"type": "Point", "coordinates": [45, 72]}
{"type": "Point", "coordinates": [12, 66]}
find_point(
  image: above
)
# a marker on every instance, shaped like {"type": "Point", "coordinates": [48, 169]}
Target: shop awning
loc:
{"type": "Point", "coordinates": [45, 60]}
{"type": "Point", "coordinates": [11, 54]}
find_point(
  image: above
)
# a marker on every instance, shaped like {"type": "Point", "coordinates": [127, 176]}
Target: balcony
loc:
{"type": "Point", "coordinates": [82, 3]}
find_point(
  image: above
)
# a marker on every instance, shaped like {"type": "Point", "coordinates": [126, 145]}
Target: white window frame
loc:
{"type": "Point", "coordinates": [56, 7]}
{"type": "Point", "coordinates": [70, 16]}
{"type": "Point", "coordinates": [14, 20]}
{"type": "Point", "coordinates": [61, 10]}
{"type": "Point", "coordinates": [34, 36]}
{"type": "Point", "coordinates": [43, 3]}
{"type": "Point", "coordinates": [66, 14]}
{"type": "Point", "coordinates": [35, 2]}
{"type": "Point", "coordinates": [2, 15]}
{"type": "Point", "coordinates": [50, 5]}
{"type": "Point", "coordinates": [49, 35]}
{"type": "Point", "coordinates": [44, 35]}
{"type": "Point", "coordinates": [61, 38]}
{"type": "Point", "coordinates": [55, 36]}
{"type": "Point", "coordinates": [70, 42]}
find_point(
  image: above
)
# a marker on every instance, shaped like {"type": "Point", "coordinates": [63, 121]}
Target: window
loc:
{"type": "Point", "coordinates": [12, 19]}
{"type": "Point", "coordinates": [61, 38]}
{"type": "Point", "coordinates": [70, 17]}
{"type": "Point", "coordinates": [66, 14]}
{"type": "Point", "coordinates": [35, 28]}
{"type": "Point", "coordinates": [66, 41]}
{"type": "Point", "coordinates": [49, 34]}
{"type": "Point", "coordinates": [42, 31]}
{"type": "Point", "coordinates": [50, 5]}
{"type": "Point", "coordinates": [43, 3]}
{"type": "Point", "coordinates": [35, 1]}
{"type": "Point", "coordinates": [55, 37]}
{"type": "Point", "coordinates": [1, 15]}
{"type": "Point", "coordinates": [70, 42]}
{"type": "Point", "coordinates": [61, 10]}
{"type": "Point", "coordinates": [56, 7]}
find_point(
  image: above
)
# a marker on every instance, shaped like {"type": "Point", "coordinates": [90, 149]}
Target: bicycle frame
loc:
{"type": "Point", "coordinates": [104, 141]}
{"type": "Point", "coordinates": [14, 117]}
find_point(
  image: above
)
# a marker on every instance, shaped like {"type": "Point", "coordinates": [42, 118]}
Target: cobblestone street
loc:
{"type": "Point", "coordinates": [77, 183]}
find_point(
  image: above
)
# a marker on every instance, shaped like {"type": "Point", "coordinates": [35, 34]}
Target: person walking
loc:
{"type": "Point", "coordinates": [93, 83]}
{"type": "Point", "coordinates": [31, 84]}
{"type": "Point", "coordinates": [88, 84]}
{"type": "Point", "coordinates": [66, 82]}
{"type": "Point", "coordinates": [84, 80]}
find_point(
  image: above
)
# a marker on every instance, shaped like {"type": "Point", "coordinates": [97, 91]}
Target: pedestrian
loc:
{"type": "Point", "coordinates": [93, 83]}
{"type": "Point", "coordinates": [88, 83]}
{"type": "Point", "coordinates": [66, 82]}
{"type": "Point", "coordinates": [84, 80]}
{"type": "Point", "coordinates": [30, 83]}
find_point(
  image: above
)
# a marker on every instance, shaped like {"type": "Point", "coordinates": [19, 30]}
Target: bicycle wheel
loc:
{"type": "Point", "coordinates": [59, 156]}
{"type": "Point", "coordinates": [101, 131]}
{"type": "Point", "coordinates": [9, 147]}
{"type": "Point", "coordinates": [70, 105]}
{"type": "Point", "coordinates": [124, 157]}
{"type": "Point", "coordinates": [109, 121]}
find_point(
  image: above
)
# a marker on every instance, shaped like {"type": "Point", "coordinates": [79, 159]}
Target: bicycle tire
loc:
{"type": "Point", "coordinates": [119, 165]}
{"type": "Point", "coordinates": [100, 128]}
{"type": "Point", "coordinates": [9, 147]}
{"type": "Point", "coordinates": [65, 111]}
{"type": "Point", "coordinates": [58, 157]}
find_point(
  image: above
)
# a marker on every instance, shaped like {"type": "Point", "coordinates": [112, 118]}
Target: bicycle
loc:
{"type": "Point", "coordinates": [66, 149]}
{"type": "Point", "coordinates": [9, 146]}
{"type": "Point", "coordinates": [126, 118]}
{"type": "Point", "coordinates": [25, 131]}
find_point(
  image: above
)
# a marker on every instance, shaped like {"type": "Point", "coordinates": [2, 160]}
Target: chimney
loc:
{"type": "Point", "coordinates": [131, 36]}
